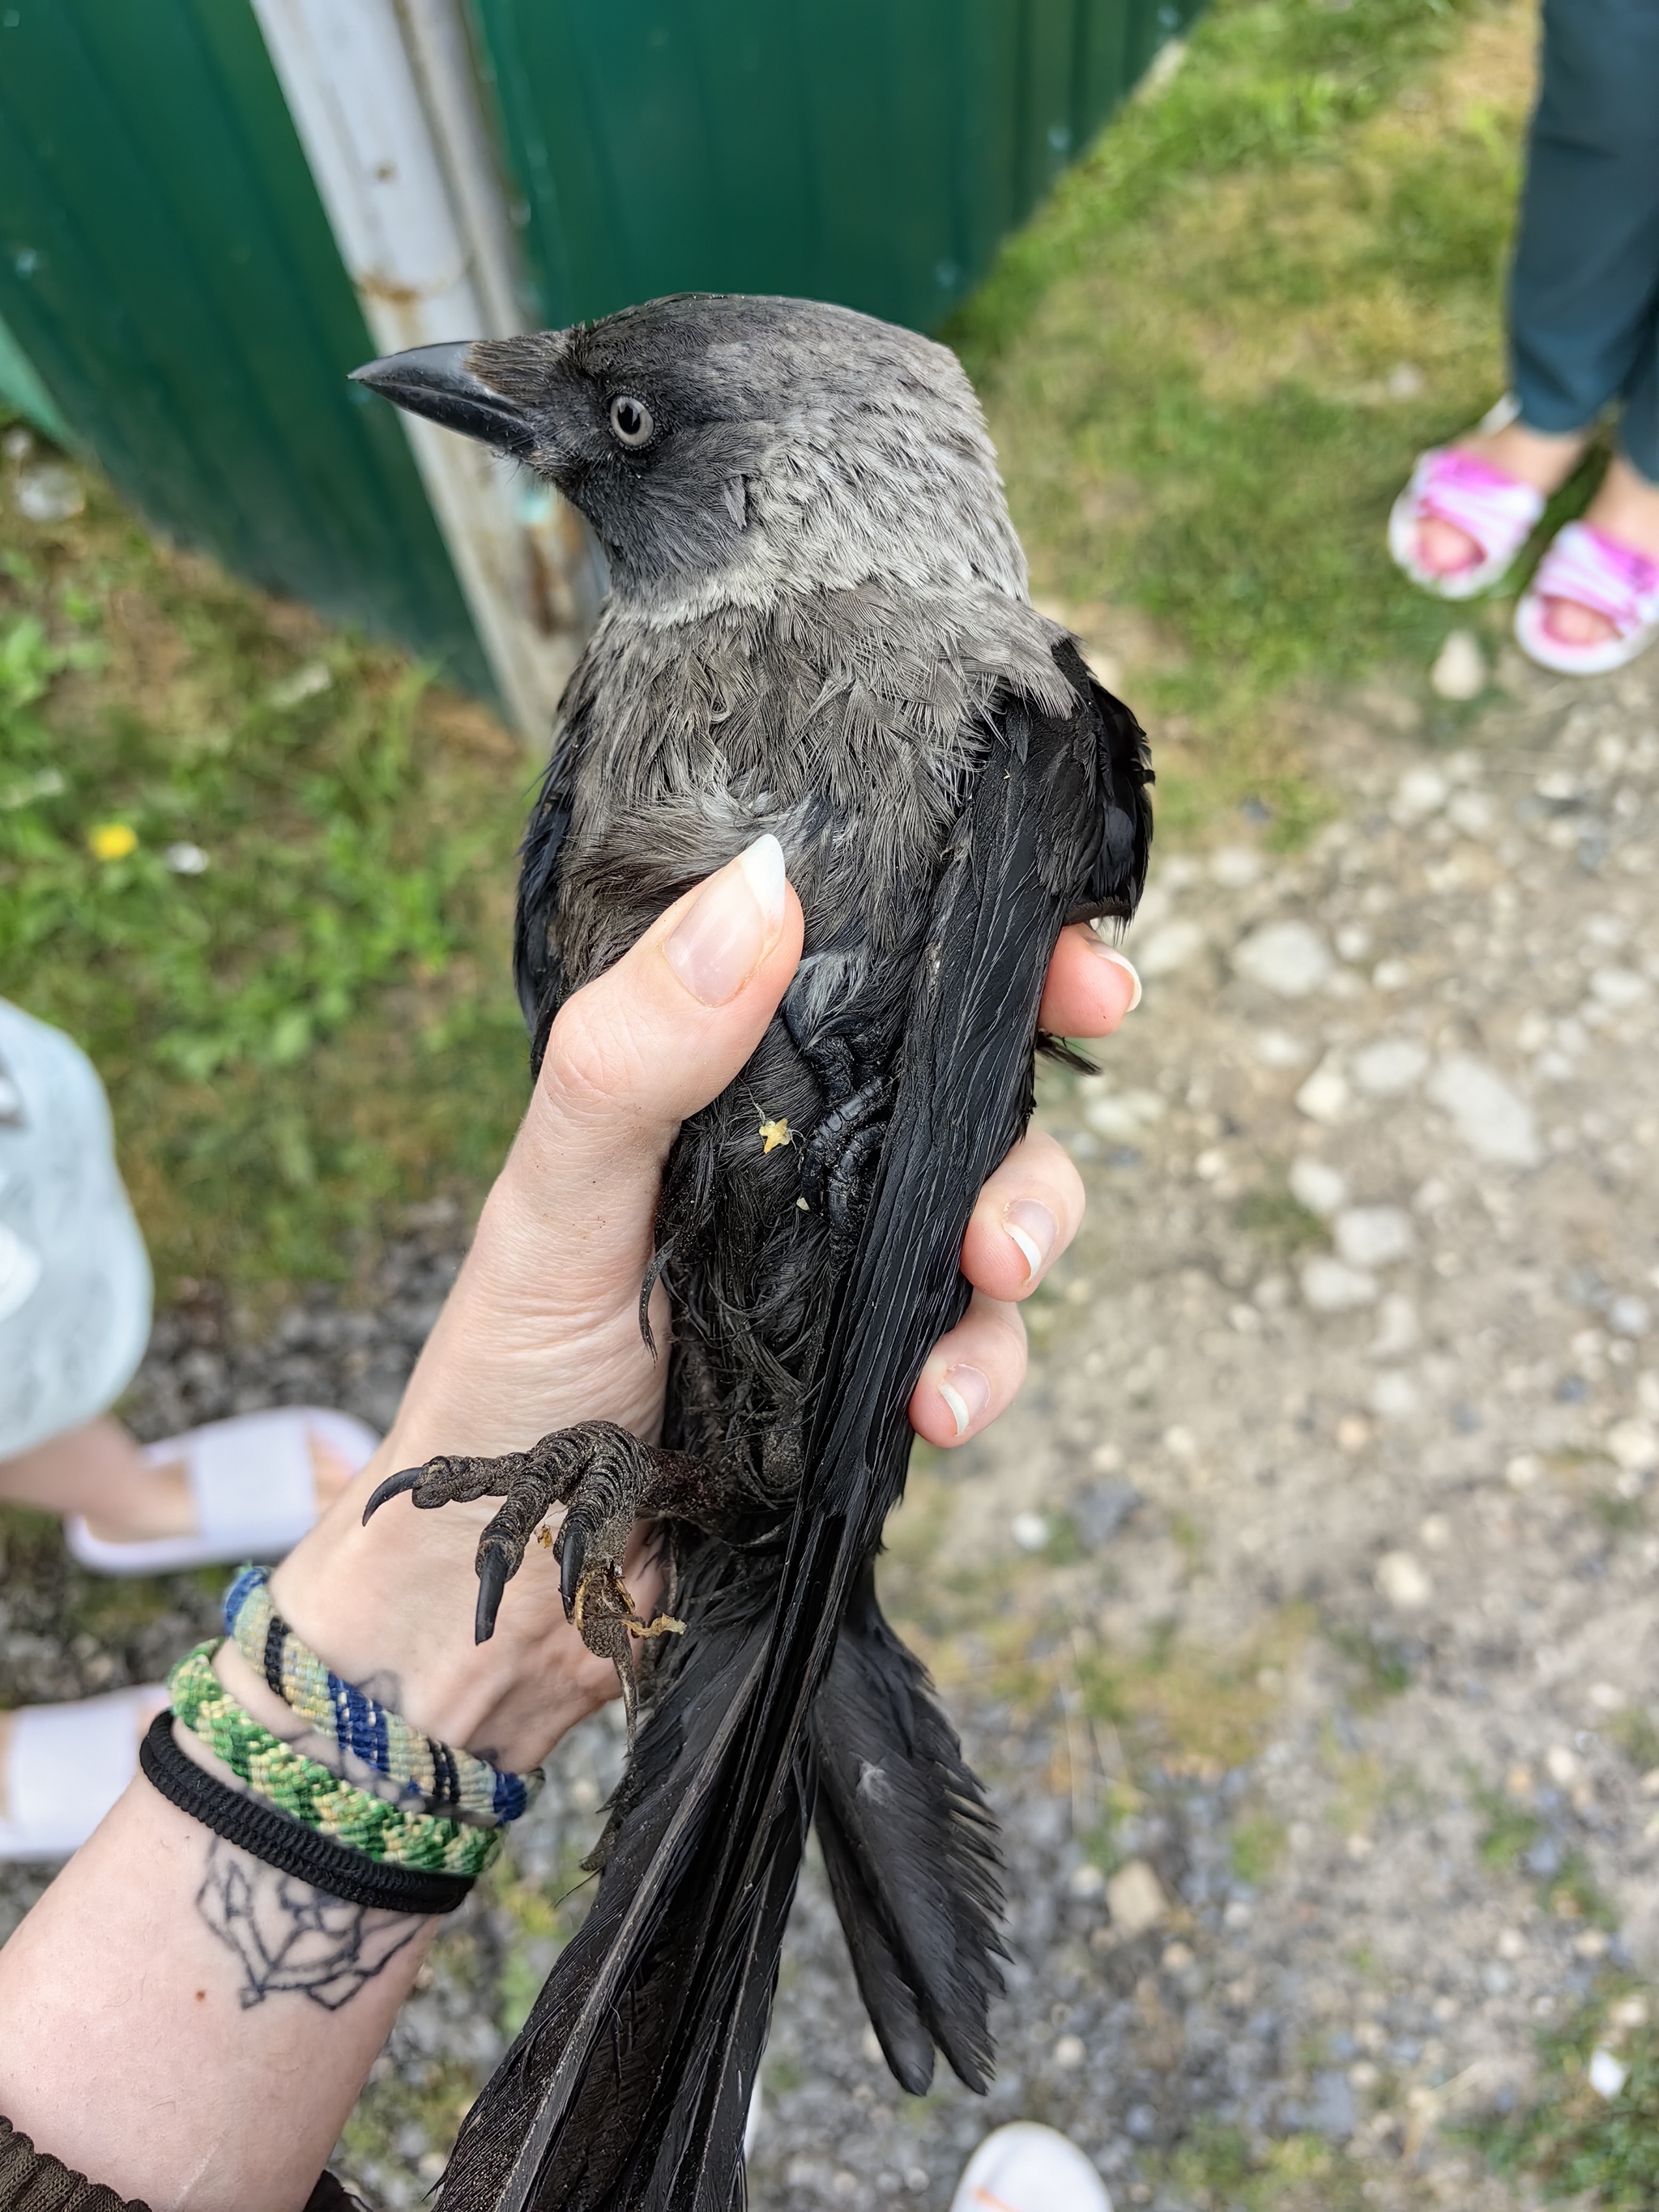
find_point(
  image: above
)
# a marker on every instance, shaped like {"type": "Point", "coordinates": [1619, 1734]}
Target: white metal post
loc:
{"type": "Point", "coordinates": [383, 97]}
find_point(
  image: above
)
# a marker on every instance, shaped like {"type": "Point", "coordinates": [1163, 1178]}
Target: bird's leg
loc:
{"type": "Point", "coordinates": [838, 1146]}
{"type": "Point", "coordinates": [605, 1478]}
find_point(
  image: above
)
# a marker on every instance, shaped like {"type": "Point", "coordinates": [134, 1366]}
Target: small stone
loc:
{"type": "Point", "coordinates": [1354, 941]}
{"type": "Point", "coordinates": [1236, 868]}
{"type": "Point", "coordinates": [1608, 1696]}
{"type": "Point", "coordinates": [1180, 1443]}
{"type": "Point", "coordinates": [1524, 1471]}
{"type": "Point", "coordinates": [1493, 1121]}
{"type": "Point", "coordinates": [1471, 813]}
{"type": "Point", "coordinates": [185, 859]}
{"type": "Point", "coordinates": [1634, 1446]}
{"type": "Point", "coordinates": [1388, 1068]}
{"type": "Point", "coordinates": [1402, 1579]}
{"type": "Point", "coordinates": [1123, 1117]}
{"type": "Point", "coordinates": [1134, 1899]}
{"type": "Point", "coordinates": [1421, 791]}
{"type": "Point", "coordinates": [1329, 1287]}
{"type": "Point", "coordinates": [1099, 1511]}
{"type": "Point", "coordinates": [1373, 1236]}
{"type": "Point", "coordinates": [1353, 1433]}
{"type": "Point", "coordinates": [306, 683]}
{"type": "Point", "coordinates": [1286, 958]}
{"type": "Point", "coordinates": [1279, 1048]}
{"type": "Point", "coordinates": [1325, 1097]}
{"type": "Point", "coordinates": [1394, 1396]}
{"type": "Point", "coordinates": [1561, 1766]}
{"type": "Point", "coordinates": [1177, 1958]}
{"type": "Point", "coordinates": [1460, 667]}
{"type": "Point", "coordinates": [1397, 1328]}
{"type": "Point", "coordinates": [870, 2045]}
{"type": "Point", "coordinates": [1435, 1532]}
{"type": "Point", "coordinates": [1170, 948]}
{"type": "Point", "coordinates": [1322, 1189]}
{"type": "Point", "coordinates": [1030, 1531]}
{"type": "Point", "coordinates": [1619, 989]}
{"type": "Point", "coordinates": [1069, 2053]}
{"type": "Point", "coordinates": [1607, 2075]}
{"type": "Point", "coordinates": [50, 493]}
{"type": "Point", "coordinates": [1087, 1882]}
{"type": "Point", "coordinates": [1629, 1316]}
{"type": "Point", "coordinates": [1391, 975]}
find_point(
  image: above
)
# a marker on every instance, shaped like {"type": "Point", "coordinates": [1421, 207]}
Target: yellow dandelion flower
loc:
{"type": "Point", "coordinates": [113, 841]}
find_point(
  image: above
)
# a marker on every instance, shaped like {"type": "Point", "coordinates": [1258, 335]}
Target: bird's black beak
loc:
{"type": "Point", "coordinates": [435, 381]}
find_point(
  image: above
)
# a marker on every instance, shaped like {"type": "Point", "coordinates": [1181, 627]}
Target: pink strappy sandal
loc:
{"type": "Point", "coordinates": [1498, 512]}
{"type": "Point", "coordinates": [1595, 571]}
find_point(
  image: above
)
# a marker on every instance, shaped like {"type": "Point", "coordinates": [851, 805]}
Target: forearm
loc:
{"type": "Point", "coordinates": [187, 2024]}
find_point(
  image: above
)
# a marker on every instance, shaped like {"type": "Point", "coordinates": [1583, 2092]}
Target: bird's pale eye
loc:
{"type": "Point", "coordinates": [630, 419]}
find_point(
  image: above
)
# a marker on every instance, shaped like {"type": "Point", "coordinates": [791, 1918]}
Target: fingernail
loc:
{"type": "Point", "coordinates": [1034, 1228]}
{"type": "Point", "coordinates": [1119, 960]}
{"type": "Point", "coordinates": [967, 1393]}
{"type": "Point", "coordinates": [733, 926]}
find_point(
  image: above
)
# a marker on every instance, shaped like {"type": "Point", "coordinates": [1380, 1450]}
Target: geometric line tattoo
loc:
{"type": "Point", "coordinates": [291, 1938]}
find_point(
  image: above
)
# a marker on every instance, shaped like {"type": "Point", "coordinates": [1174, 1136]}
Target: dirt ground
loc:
{"type": "Point", "coordinates": [1299, 1616]}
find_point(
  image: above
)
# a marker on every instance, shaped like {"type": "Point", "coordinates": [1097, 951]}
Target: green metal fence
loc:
{"type": "Point", "coordinates": [166, 269]}
{"type": "Point", "coordinates": [170, 285]}
{"type": "Point", "coordinates": [869, 151]}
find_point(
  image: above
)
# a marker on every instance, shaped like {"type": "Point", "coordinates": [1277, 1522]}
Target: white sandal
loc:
{"type": "Point", "coordinates": [62, 1766]}
{"type": "Point", "coordinates": [254, 1486]}
{"type": "Point", "coordinates": [1026, 2167]}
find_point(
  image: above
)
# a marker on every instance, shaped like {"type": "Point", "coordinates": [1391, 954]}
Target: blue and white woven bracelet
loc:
{"type": "Point", "coordinates": [444, 1780]}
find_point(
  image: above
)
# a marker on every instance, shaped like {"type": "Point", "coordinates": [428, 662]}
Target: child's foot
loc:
{"type": "Point", "coordinates": [1470, 508]}
{"type": "Point", "coordinates": [245, 1488]}
{"type": "Point", "coordinates": [1594, 603]}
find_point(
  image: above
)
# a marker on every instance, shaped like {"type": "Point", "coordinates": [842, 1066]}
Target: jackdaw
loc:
{"type": "Point", "coordinates": [818, 626]}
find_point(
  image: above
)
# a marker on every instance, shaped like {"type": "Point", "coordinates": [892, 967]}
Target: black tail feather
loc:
{"type": "Point", "coordinates": [911, 1852]}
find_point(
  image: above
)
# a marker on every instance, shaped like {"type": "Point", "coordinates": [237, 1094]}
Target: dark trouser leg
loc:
{"type": "Point", "coordinates": [1584, 288]}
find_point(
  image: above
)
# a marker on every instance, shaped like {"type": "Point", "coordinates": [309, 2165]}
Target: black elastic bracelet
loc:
{"type": "Point", "coordinates": [264, 1833]}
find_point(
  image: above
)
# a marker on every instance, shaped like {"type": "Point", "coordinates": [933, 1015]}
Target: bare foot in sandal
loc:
{"type": "Point", "coordinates": [1625, 513]}
{"type": "Point", "coordinates": [248, 1487]}
{"type": "Point", "coordinates": [1536, 459]}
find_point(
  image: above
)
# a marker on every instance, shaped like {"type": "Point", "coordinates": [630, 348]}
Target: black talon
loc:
{"type": "Point", "coordinates": [572, 1554]}
{"type": "Point", "coordinates": [492, 1581]}
{"type": "Point", "coordinates": [393, 1486]}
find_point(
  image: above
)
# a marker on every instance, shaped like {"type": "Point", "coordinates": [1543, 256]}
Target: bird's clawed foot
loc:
{"type": "Point", "coordinates": [605, 1478]}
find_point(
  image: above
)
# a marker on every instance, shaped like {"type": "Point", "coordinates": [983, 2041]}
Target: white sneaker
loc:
{"type": "Point", "coordinates": [1027, 2167]}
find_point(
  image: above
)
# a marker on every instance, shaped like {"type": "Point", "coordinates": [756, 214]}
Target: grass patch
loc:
{"type": "Point", "coordinates": [315, 1027]}
{"type": "Point", "coordinates": [1256, 1846]}
{"type": "Point", "coordinates": [1574, 2141]}
{"type": "Point", "coordinates": [1205, 1711]}
{"type": "Point", "coordinates": [1215, 2170]}
{"type": "Point", "coordinates": [1636, 1735]}
{"type": "Point", "coordinates": [1509, 1833]}
{"type": "Point", "coordinates": [1383, 1672]}
{"type": "Point", "coordinates": [1209, 360]}
{"type": "Point", "coordinates": [1278, 1220]}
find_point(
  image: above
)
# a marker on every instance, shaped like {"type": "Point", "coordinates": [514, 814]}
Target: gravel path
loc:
{"type": "Point", "coordinates": [1299, 1616]}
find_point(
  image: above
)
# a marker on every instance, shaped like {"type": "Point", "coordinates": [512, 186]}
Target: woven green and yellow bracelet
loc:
{"type": "Point", "coordinates": [446, 1780]}
{"type": "Point", "coordinates": [309, 1793]}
